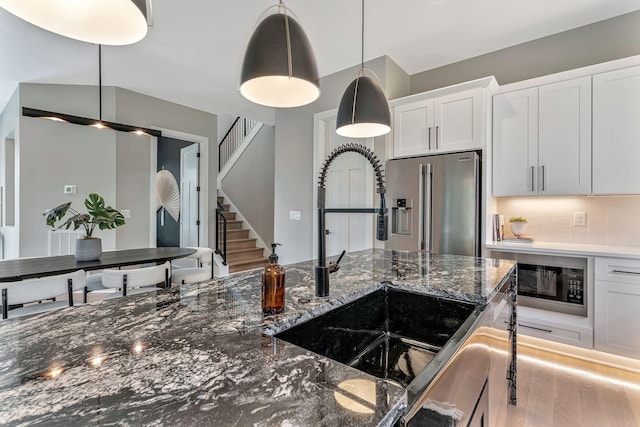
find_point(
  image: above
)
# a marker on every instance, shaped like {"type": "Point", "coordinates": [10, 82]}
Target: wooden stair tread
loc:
{"type": "Point", "coordinates": [250, 256]}
{"type": "Point", "coordinates": [248, 261]}
{"type": "Point", "coordinates": [238, 251]}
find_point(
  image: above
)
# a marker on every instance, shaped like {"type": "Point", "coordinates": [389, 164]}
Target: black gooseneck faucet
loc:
{"type": "Point", "coordinates": [323, 270]}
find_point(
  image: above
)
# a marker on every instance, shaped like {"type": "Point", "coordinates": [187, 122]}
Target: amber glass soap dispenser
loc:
{"type": "Point", "coordinates": [273, 285]}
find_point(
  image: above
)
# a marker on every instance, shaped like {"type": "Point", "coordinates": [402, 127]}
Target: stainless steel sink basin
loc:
{"type": "Point", "coordinates": [389, 333]}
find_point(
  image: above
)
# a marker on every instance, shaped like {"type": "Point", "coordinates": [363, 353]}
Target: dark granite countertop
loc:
{"type": "Point", "coordinates": [197, 355]}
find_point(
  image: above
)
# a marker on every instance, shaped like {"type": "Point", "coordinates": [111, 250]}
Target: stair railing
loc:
{"type": "Point", "coordinates": [221, 234]}
{"type": "Point", "coordinates": [233, 138]}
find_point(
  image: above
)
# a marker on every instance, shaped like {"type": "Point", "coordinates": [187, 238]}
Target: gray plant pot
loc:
{"type": "Point", "coordinates": [88, 249]}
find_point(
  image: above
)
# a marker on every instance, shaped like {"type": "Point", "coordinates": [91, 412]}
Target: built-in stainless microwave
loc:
{"type": "Point", "coordinates": [555, 283]}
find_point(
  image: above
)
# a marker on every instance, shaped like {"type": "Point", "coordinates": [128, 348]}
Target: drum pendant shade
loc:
{"type": "Point", "coordinates": [277, 73]}
{"type": "Point", "coordinates": [108, 22]}
{"type": "Point", "coordinates": [363, 110]}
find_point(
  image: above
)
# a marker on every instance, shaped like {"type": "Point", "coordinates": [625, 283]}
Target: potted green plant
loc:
{"type": "Point", "coordinates": [88, 248]}
{"type": "Point", "coordinates": [518, 225]}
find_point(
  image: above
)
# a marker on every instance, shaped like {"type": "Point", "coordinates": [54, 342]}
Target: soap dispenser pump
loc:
{"type": "Point", "coordinates": [273, 285]}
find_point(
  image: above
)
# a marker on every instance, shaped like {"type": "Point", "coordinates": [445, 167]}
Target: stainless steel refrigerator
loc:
{"type": "Point", "coordinates": [435, 203]}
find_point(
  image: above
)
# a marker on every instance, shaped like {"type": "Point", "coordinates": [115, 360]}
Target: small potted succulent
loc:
{"type": "Point", "coordinates": [88, 248]}
{"type": "Point", "coordinates": [518, 225]}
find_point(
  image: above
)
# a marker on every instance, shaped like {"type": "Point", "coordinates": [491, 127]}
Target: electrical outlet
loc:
{"type": "Point", "coordinates": [579, 219]}
{"type": "Point", "coordinates": [126, 213]}
{"type": "Point", "coordinates": [69, 189]}
{"type": "Point", "coordinates": [295, 215]}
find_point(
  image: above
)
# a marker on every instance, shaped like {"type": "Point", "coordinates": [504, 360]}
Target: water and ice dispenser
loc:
{"type": "Point", "coordinates": [401, 216]}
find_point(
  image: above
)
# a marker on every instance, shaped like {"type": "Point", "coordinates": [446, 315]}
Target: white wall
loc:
{"type": "Point", "coordinates": [295, 187]}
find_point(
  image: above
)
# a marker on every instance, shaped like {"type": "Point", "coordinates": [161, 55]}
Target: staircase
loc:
{"type": "Point", "coordinates": [242, 252]}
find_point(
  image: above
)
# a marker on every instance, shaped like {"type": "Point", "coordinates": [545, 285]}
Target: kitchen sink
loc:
{"type": "Point", "coordinates": [389, 333]}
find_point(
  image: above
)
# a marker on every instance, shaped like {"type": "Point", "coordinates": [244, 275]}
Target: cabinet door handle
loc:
{"type": "Point", "coordinates": [537, 329]}
{"type": "Point", "coordinates": [634, 273]}
{"type": "Point", "coordinates": [532, 172]}
{"type": "Point", "coordinates": [437, 132]}
{"type": "Point", "coordinates": [429, 136]}
{"type": "Point", "coordinates": [542, 176]}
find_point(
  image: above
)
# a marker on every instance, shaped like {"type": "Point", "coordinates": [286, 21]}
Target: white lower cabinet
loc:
{"type": "Point", "coordinates": [552, 326]}
{"type": "Point", "coordinates": [617, 306]}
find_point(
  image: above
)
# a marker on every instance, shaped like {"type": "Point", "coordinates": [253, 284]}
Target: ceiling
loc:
{"type": "Point", "coordinates": [193, 52]}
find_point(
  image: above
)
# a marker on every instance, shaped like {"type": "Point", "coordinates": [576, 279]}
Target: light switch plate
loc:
{"type": "Point", "coordinates": [295, 215]}
{"type": "Point", "coordinates": [579, 219]}
{"type": "Point", "coordinates": [69, 189]}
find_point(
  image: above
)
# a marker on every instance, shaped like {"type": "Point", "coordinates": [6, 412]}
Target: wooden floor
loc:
{"type": "Point", "coordinates": [556, 390]}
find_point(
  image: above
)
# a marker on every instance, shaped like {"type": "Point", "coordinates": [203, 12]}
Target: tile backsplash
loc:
{"type": "Point", "coordinates": [610, 220]}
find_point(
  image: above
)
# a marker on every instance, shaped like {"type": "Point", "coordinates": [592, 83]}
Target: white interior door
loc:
{"type": "Point", "coordinates": [349, 184]}
{"type": "Point", "coordinates": [189, 195]}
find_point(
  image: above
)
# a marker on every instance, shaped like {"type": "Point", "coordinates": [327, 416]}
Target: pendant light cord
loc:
{"type": "Point", "coordinates": [362, 39]}
{"type": "Point", "coordinates": [283, 9]}
{"type": "Point", "coordinates": [100, 80]}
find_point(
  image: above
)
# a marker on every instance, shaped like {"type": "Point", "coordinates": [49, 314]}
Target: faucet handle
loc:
{"type": "Point", "coordinates": [334, 266]}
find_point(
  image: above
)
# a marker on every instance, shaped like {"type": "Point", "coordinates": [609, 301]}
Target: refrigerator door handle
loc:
{"type": "Point", "coordinates": [421, 180]}
{"type": "Point", "coordinates": [428, 206]}
{"type": "Point", "coordinates": [476, 173]}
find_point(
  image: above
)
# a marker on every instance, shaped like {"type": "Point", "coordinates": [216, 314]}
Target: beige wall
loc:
{"type": "Point", "coordinates": [602, 41]}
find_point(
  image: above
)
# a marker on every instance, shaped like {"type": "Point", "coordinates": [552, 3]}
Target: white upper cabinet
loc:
{"type": "Point", "coordinates": [616, 132]}
{"type": "Point", "coordinates": [564, 137]}
{"type": "Point", "coordinates": [542, 140]}
{"type": "Point", "coordinates": [452, 122]}
{"type": "Point", "coordinates": [515, 143]}
{"type": "Point", "coordinates": [458, 121]}
{"type": "Point", "coordinates": [412, 128]}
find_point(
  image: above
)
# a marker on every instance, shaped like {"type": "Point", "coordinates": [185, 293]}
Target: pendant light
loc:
{"type": "Point", "coordinates": [279, 68]}
{"type": "Point", "coordinates": [109, 22]}
{"type": "Point", "coordinates": [363, 110]}
{"type": "Point", "coordinates": [86, 121]}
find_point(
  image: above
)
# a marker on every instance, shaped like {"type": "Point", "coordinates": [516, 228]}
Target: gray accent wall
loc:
{"type": "Point", "coordinates": [603, 41]}
{"type": "Point", "coordinates": [250, 183]}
